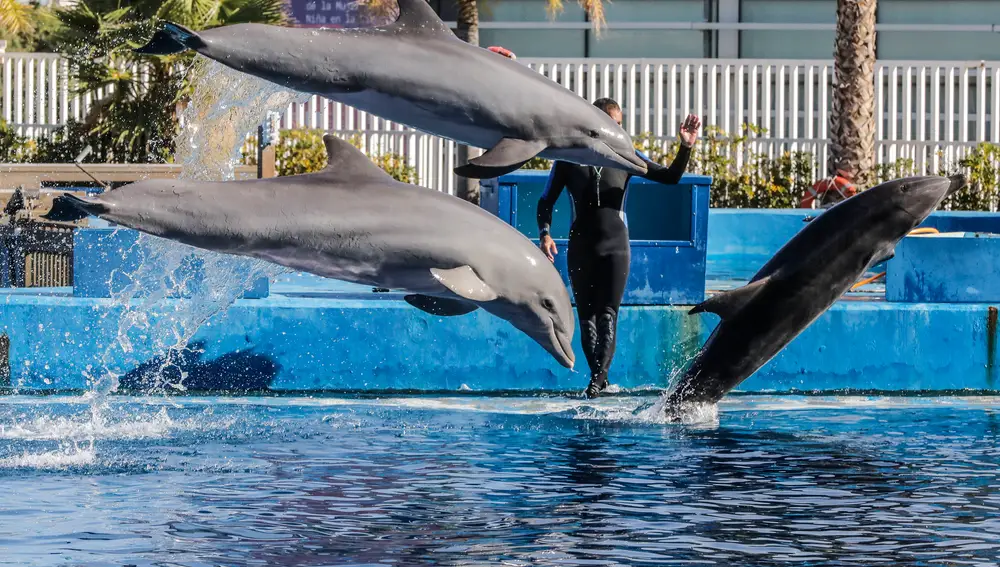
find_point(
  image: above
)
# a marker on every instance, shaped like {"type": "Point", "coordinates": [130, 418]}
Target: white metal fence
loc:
{"type": "Point", "coordinates": [923, 109]}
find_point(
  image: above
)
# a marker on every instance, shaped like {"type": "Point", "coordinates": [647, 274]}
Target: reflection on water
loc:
{"type": "Point", "coordinates": [305, 482]}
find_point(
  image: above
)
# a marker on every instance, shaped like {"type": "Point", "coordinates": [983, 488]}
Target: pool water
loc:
{"type": "Point", "coordinates": [497, 481]}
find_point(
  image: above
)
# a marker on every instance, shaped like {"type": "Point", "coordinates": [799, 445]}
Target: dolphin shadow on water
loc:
{"type": "Point", "coordinates": [804, 279]}
{"type": "Point", "coordinates": [240, 371]}
{"type": "Point", "coordinates": [353, 222]}
{"type": "Point", "coordinates": [415, 71]}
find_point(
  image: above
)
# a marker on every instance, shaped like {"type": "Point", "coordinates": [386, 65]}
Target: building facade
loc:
{"type": "Point", "coordinates": [924, 30]}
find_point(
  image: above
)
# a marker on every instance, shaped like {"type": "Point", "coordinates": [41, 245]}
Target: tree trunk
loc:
{"type": "Point", "coordinates": [852, 120]}
{"type": "Point", "coordinates": [468, 31]}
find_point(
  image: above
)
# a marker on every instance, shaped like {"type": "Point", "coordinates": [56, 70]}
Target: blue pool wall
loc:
{"type": "Point", "coordinates": [291, 343]}
{"type": "Point", "coordinates": [303, 333]}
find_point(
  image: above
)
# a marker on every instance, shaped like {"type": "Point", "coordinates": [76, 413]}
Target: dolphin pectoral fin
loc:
{"type": "Point", "coordinates": [885, 258]}
{"type": "Point", "coordinates": [464, 282]}
{"type": "Point", "coordinates": [440, 306]}
{"type": "Point", "coordinates": [508, 155]}
{"type": "Point", "coordinates": [173, 38]}
{"type": "Point", "coordinates": [728, 303]}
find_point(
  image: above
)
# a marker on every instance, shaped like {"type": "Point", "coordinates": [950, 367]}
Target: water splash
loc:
{"type": "Point", "coordinates": [177, 289]}
{"type": "Point", "coordinates": [225, 107]}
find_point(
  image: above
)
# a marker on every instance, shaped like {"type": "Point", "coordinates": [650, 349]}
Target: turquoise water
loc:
{"type": "Point", "coordinates": [497, 481]}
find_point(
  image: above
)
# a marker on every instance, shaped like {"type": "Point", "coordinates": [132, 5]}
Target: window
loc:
{"type": "Point", "coordinates": [780, 44]}
{"type": "Point", "coordinates": [532, 43]}
{"type": "Point", "coordinates": [651, 43]}
{"type": "Point", "coordinates": [938, 46]}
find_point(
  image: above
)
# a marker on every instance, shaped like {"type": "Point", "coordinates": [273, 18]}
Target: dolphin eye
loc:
{"type": "Point", "coordinates": [595, 134]}
{"type": "Point", "coordinates": [548, 304]}
{"type": "Point", "coordinates": [904, 188]}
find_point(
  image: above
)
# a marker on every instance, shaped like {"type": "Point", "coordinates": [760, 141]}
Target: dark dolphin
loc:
{"type": "Point", "coordinates": [415, 71]}
{"type": "Point", "coordinates": [812, 271]}
{"type": "Point", "coordinates": [353, 222]}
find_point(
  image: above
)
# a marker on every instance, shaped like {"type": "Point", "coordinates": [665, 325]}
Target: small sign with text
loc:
{"type": "Point", "coordinates": [331, 14]}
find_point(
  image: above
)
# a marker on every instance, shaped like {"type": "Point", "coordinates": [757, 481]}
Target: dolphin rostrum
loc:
{"type": "Point", "coordinates": [810, 272]}
{"type": "Point", "coordinates": [416, 72]}
{"type": "Point", "coordinates": [353, 222]}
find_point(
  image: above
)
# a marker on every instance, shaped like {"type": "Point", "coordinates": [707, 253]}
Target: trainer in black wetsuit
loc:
{"type": "Point", "coordinates": [599, 254]}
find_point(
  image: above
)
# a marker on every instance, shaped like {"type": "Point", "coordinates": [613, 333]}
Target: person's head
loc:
{"type": "Point", "coordinates": [611, 108]}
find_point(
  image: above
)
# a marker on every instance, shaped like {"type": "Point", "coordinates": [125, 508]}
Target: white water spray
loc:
{"type": "Point", "coordinates": [165, 302]}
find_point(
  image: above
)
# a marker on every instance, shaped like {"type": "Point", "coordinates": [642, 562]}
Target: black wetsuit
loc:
{"type": "Point", "coordinates": [599, 254]}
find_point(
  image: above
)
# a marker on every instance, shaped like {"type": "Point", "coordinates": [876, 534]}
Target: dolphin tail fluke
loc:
{"type": "Point", "coordinates": [173, 38]}
{"type": "Point", "coordinates": [69, 208]}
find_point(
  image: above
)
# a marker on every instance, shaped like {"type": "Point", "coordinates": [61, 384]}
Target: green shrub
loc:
{"type": "Point", "coordinates": [755, 181]}
{"type": "Point", "coordinates": [981, 168]}
{"type": "Point", "coordinates": [302, 151]}
{"type": "Point", "coordinates": [537, 163]}
{"type": "Point", "coordinates": [14, 148]}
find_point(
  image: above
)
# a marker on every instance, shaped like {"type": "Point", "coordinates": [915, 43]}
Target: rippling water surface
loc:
{"type": "Point", "coordinates": [501, 481]}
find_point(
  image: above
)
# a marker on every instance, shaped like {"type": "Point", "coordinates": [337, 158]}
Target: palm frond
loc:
{"type": "Point", "coordinates": [274, 12]}
{"type": "Point", "coordinates": [381, 8]}
{"type": "Point", "coordinates": [594, 9]}
{"type": "Point", "coordinates": [195, 14]}
{"type": "Point", "coordinates": [15, 18]}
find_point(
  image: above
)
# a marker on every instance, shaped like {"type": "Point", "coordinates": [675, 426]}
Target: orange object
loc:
{"type": "Point", "coordinates": [867, 281]}
{"type": "Point", "coordinates": [838, 184]}
{"type": "Point", "coordinates": [502, 51]}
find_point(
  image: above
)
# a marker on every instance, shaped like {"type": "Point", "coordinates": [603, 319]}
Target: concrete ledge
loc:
{"type": "Point", "coordinates": [740, 241]}
{"type": "Point", "coordinates": [962, 267]}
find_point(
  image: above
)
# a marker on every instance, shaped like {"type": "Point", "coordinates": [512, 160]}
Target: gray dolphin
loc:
{"type": "Point", "coordinates": [810, 272]}
{"type": "Point", "coordinates": [353, 222]}
{"type": "Point", "coordinates": [415, 71]}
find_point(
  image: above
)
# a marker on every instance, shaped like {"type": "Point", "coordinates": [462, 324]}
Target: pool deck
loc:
{"type": "Point", "coordinates": [311, 334]}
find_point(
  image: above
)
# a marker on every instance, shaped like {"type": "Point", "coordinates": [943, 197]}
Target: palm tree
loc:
{"type": "Point", "coordinates": [852, 119]}
{"type": "Point", "coordinates": [468, 31]}
{"type": "Point", "coordinates": [136, 122]}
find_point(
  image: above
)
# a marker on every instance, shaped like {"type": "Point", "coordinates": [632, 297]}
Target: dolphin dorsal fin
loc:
{"type": "Point", "coordinates": [729, 303]}
{"type": "Point", "coordinates": [417, 17]}
{"type": "Point", "coordinates": [345, 161]}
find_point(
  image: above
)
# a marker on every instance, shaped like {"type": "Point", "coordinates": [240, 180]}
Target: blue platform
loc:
{"type": "Point", "coordinates": [668, 232]}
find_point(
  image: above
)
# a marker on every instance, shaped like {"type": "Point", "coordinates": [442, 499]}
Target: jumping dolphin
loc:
{"type": "Point", "coordinates": [810, 272]}
{"type": "Point", "coordinates": [415, 71]}
{"type": "Point", "coordinates": [353, 222]}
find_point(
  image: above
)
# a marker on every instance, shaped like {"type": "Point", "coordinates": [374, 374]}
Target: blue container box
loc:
{"type": "Point", "coordinates": [668, 228]}
{"type": "Point", "coordinates": [961, 267]}
{"type": "Point", "coordinates": [106, 261]}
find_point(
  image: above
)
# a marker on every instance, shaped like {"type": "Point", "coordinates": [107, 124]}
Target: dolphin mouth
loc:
{"type": "Point", "coordinates": [634, 159]}
{"type": "Point", "coordinates": [629, 161]}
{"type": "Point", "coordinates": [565, 354]}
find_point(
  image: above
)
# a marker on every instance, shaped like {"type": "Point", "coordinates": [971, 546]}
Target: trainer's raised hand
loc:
{"type": "Point", "coordinates": [689, 130]}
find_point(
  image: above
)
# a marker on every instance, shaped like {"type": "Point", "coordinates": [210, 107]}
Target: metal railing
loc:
{"type": "Point", "coordinates": [924, 110]}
